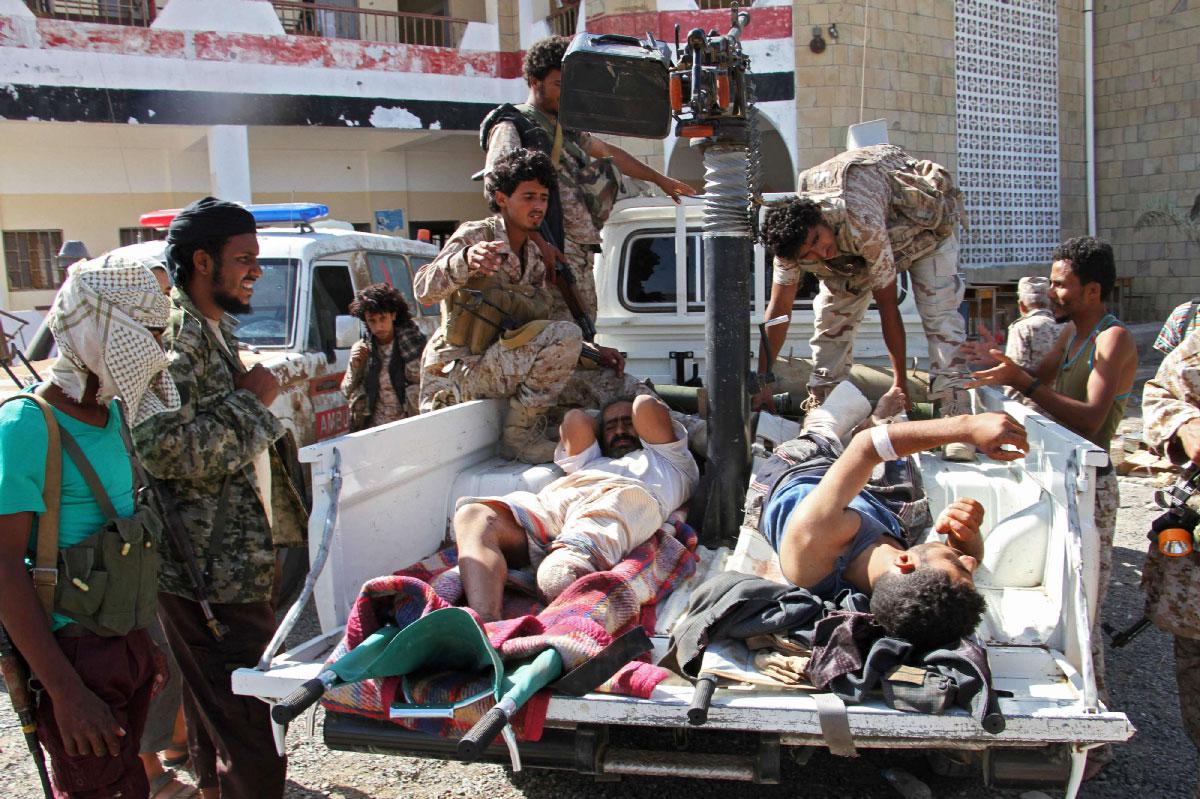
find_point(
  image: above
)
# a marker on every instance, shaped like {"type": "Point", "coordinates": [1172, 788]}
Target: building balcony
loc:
{"type": "Point", "coordinates": [370, 25]}
{"type": "Point", "coordinates": [136, 13]}
{"type": "Point", "coordinates": [564, 19]}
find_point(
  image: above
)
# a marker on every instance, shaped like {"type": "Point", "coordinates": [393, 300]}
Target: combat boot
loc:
{"type": "Point", "coordinates": [524, 438]}
{"type": "Point", "coordinates": [957, 404]}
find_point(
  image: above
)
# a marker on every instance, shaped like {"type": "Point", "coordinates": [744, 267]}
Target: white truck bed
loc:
{"type": "Point", "coordinates": [399, 483]}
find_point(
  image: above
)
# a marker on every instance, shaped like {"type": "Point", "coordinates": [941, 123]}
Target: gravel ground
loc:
{"type": "Point", "coordinates": [1158, 762]}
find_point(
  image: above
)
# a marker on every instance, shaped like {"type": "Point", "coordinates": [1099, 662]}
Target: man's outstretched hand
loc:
{"type": "Point", "coordinates": [979, 353]}
{"type": "Point", "coordinates": [998, 435]}
{"type": "Point", "coordinates": [1005, 373]}
{"type": "Point", "coordinates": [675, 188]}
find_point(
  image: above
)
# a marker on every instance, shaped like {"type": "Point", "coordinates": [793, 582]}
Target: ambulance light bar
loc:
{"type": "Point", "coordinates": [264, 214]}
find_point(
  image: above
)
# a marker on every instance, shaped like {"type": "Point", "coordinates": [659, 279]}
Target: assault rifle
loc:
{"type": "Point", "coordinates": [16, 678]}
{"type": "Point", "coordinates": [181, 545]}
{"type": "Point", "coordinates": [565, 280]}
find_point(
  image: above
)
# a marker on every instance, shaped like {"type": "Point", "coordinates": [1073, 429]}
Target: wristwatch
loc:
{"type": "Point", "coordinates": [1028, 392]}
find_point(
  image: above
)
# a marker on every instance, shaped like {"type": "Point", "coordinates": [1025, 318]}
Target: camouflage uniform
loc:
{"type": "Point", "coordinates": [214, 438]}
{"type": "Point", "coordinates": [1030, 339]}
{"type": "Point", "coordinates": [206, 449]}
{"type": "Point", "coordinates": [1172, 585]}
{"type": "Point", "coordinates": [533, 373]}
{"type": "Point", "coordinates": [890, 213]}
{"type": "Point", "coordinates": [581, 227]}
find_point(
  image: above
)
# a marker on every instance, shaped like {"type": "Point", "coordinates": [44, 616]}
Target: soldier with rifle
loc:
{"type": "Point", "coordinates": [1171, 424]}
{"type": "Point", "coordinates": [498, 337]}
{"type": "Point", "coordinates": [229, 497]}
{"type": "Point", "coordinates": [588, 172]}
{"type": "Point", "coordinates": [69, 506]}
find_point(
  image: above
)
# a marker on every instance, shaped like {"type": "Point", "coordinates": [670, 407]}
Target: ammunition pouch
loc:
{"type": "Point", "coordinates": [479, 312]}
{"type": "Point", "coordinates": [108, 583]}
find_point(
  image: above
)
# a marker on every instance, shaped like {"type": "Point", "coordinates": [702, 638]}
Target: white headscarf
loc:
{"type": "Point", "coordinates": [99, 320]}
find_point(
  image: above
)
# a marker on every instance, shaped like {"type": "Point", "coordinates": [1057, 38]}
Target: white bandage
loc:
{"type": "Point", "coordinates": [883, 443]}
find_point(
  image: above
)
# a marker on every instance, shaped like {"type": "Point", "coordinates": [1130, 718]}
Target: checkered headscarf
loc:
{"type": "Point", "coordinates": [99, 320]}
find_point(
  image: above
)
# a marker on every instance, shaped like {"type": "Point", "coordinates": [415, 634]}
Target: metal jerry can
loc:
{"type": "Point", "coordinates": [616, 84]}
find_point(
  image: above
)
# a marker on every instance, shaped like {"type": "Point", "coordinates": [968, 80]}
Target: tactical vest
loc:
{"type": "Point", "coordinates": [595, 180]}
{"type": "Point", "coordinates": [108, 582]}
{"type": "Point", "coordinates": [479, 312]}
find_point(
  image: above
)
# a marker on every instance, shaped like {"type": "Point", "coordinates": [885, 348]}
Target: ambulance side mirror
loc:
{"type": "Point", "coordinates": [346, 331]}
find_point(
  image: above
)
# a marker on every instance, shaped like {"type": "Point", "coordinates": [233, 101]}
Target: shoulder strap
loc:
{"type": "Point", "coordinates": [556, 150]}
{"type": "Point", "coordinates": [75, 453]}
{"type": "Point", "coordinates": [45, 563]}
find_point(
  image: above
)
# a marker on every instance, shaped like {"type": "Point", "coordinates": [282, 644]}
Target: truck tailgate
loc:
{"type": "Point", "coordinates": [1045, 707]}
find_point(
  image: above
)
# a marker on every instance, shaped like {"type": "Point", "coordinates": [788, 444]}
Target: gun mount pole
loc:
{"type": "Point", "coordinates": [728, 264]}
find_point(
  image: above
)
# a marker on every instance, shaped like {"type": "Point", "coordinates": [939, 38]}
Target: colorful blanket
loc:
{"type": "Point", "coordinates": [579, 624]}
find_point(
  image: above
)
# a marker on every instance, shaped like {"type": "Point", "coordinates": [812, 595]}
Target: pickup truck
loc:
{"type": "Point", "coordinates": [375, 513]}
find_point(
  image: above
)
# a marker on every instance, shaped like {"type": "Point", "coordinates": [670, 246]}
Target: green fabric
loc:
{"type": "Point", "coordinates": [1073, 378]}
{"type": "Point", "coordinates": [23, 472]}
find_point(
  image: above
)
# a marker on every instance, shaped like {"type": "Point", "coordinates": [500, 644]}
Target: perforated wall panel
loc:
{"type": "Point", "coordinates": [1006, 63]}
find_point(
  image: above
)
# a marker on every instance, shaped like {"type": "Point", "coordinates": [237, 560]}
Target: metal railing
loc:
{"type": "Point", "coordinates": [711, 4]}
{"type": "Point", "coordinates": [390, 27]}
{"type": "Point", "coordinates": [562, 21]}
{"type": "Point", "coordinates": [137, 13]}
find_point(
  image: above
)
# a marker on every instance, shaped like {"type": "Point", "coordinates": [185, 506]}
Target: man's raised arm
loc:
{"type": "Point", "coordinates": [823, 522]}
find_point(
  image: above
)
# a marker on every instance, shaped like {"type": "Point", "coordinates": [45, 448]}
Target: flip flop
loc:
{"type": "Point", "coordinates": [166, 786]}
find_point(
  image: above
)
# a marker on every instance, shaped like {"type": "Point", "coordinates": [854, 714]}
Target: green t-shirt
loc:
{"type": "Point", "coordinates": [23, 472]}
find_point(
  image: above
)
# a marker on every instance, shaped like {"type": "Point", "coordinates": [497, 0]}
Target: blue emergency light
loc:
{"type": "Point", "coordinates": [263, 213]}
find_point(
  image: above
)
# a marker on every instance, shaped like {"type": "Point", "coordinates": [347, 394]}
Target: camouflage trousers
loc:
{"type": "Point", "coordinates": [1108, 499]}
{"type": "Point", "coordinates": [1187, 677]}
{"type": "Point", "coordinates": [937, 287]}
{"type": "Point", "coordinates": [533, 373]}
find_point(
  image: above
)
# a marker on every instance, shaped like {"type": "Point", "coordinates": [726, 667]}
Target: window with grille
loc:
{"type": "Point", "coordinates": [1006, 65]}
{"type": "Point", "coordinates": [30, 259]}
{"type": "Point", "coordinates": [136, 235]}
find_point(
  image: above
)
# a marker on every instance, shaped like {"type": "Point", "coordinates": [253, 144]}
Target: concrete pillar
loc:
{"type": "Point", "coordinates": [229, 163]}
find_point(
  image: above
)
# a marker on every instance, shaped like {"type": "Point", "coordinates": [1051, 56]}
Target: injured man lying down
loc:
{"type": "Point", "coordinates": [625, 472]}
{"type": "Point", "coordinates": [837, 504]}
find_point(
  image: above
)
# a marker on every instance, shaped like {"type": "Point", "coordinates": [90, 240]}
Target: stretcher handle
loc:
{"type": "Point", "coordinates": [701, 697]}
{"type": "Point", "coordinates": [480, 737]}
{"type": "Point", "coordinates": [299, 700]}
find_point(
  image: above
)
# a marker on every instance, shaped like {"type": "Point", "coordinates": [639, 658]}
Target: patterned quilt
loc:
{"type": "Point", "coordinates": [579, 624]}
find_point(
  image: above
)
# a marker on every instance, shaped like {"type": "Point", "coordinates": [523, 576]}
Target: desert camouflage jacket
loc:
{"type": "Point", "coordinates": [441, 277]}
{"type": "Point", "coordinates": [887, 209]}
{"type": "Point", "coordinates": [1173, 397]}
{"type": "Point", "coordinates": [1170, 400]}
{"type": "Point", "coordinates": [212, 441]}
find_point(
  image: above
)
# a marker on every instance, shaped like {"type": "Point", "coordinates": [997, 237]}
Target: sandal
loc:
{"type": "Point", "coordinates": [176, 761]}
{"type": "Point", "coordinates": [166, 786]}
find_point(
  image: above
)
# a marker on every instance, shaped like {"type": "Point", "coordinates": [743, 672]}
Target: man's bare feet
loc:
{"type": "Point", "coordinates": [891, 404]}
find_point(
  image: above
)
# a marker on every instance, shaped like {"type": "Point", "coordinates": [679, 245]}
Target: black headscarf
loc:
{"type": "Point", "coordinates": [204, 220]}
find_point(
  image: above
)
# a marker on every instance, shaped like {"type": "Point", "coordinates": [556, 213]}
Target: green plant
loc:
{"type": "Point", "coordinates": [1162, 212]}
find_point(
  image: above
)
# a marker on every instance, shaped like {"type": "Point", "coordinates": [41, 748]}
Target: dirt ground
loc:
{"type": "Point", "coordinates": [1159, 761]}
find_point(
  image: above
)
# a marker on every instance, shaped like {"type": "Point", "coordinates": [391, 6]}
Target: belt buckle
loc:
{"type": "Point", "coordinates": [44, 576]}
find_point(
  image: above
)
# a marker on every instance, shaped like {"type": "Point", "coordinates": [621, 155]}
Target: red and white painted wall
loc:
{"type": "Point", "coordinates": [215, 97]}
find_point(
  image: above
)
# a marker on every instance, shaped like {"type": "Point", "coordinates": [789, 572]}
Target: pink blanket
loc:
{"type": "Point", "coordinates": [579, 624]}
